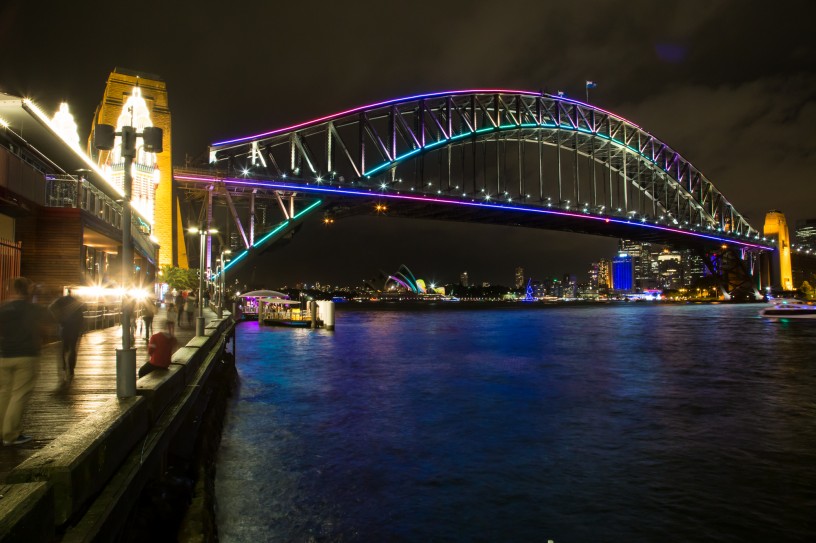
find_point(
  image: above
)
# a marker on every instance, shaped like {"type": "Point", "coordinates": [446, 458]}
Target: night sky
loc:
{"type": "Point", "coordinates": [729, 84]}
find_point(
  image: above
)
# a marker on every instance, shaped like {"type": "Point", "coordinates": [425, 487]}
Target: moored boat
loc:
{"type": "Point", "coordinates": [790, 309]}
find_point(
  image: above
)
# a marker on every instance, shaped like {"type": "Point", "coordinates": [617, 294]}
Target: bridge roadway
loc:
{"type": "Point", "coordinates": [54, 410]}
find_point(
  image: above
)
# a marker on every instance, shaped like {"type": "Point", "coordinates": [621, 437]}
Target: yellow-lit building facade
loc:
{"type": "Point", "coordinates": [140, 99]}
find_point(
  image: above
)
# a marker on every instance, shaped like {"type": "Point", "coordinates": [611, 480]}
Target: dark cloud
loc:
{"type": "Point", "coordinates": [729, 84]}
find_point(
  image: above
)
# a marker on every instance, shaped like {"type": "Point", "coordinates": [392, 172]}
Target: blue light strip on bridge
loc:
{"type": "Point", "coordinates": [354, 192]}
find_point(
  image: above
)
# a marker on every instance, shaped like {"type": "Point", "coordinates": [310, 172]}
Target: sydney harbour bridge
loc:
{"type": "Point", "coordinates": [493, 156]}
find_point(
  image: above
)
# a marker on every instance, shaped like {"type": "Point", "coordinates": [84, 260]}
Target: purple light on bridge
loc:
{"type": "Point", "coordinates": [415, 97]}
{"type": "Point", "coordinates": [371, 106]}
{"type": "Point", "coordinates": [484, 205]}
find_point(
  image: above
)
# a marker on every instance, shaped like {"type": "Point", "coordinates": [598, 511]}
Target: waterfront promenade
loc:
{"type": "Point", "coordinates": [54, 409]}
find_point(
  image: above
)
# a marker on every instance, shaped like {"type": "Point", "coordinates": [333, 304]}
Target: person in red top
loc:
{"type": "Point", "coordinates": [160, 349]}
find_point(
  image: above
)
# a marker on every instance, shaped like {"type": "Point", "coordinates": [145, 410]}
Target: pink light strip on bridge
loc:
{"type": "Point", "coordinates": [352, 192]}
{"type": "Point", "coordinates": [408, 99]}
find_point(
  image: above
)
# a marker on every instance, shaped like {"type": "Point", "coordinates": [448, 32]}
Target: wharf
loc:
{"type": "Point", "coordinates": [54, 410]}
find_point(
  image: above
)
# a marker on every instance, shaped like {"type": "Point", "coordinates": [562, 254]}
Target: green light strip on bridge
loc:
{"type": "Point", "coordinates": [277, 229]}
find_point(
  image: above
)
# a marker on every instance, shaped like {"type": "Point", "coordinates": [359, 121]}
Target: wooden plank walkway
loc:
{"type": "Point", "coordinates": [53, 409]}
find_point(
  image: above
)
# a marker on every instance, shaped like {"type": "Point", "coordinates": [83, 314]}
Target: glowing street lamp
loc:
{"type": "Point", "coordinates": [223, 283]}
{"type": "Point", "coordinates": [104, 139]}
{"type": "Point", "coordinates": [203, 233]}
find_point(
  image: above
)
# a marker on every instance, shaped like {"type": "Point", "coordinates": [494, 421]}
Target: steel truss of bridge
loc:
{"type": "Point", "coordinates": [491, 156]}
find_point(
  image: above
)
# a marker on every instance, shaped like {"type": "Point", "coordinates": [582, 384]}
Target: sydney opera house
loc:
{"type": "Point", "coordinates": [403, 282]}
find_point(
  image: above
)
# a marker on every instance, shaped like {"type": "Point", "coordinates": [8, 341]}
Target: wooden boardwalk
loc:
{"type": "Point", "coordinates": [54, 409]}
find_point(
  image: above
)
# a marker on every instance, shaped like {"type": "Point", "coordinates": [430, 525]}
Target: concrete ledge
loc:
{"type": "Point", "coordinates": [26, 512]}
{"type": "Point", "coordinates": [183, 355]}
{"type": "Point", "coordinates": [199, 341]}
{"type": "Point", "coordinates": [159, 388]}
{"type": "Point", "coordinates": [79, 464]}
{"type": "Point", "coordinates": [109, 510]}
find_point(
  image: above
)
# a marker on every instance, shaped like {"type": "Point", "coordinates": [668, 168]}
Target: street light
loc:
{"type": "Point", "coordinates": [104, 139]}
{"type": "Point", "coordinates": [203, 233]}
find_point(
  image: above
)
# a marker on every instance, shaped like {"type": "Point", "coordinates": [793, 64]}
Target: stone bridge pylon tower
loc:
{"type": "Point", "coordinates": [123, 85]}
{"type": "Point", "coordinates": [781, 272]}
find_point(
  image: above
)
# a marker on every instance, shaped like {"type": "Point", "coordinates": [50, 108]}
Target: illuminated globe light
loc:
{"type": "Point", "coordinates": [145, 173]}
{"type": "Point", "coordinates": [64, 125]}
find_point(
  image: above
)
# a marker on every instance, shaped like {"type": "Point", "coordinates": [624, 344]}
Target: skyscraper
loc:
{"type": "Point", "coordinates": [623, 273]}
{"type": "Point", "coordinates": [805, 233]}
{"type": "Point", "coordinates": [519, 282]}
{"type": "Point", "coordinates": [641, 263]}
{"type": "Point", "coordinates": [463, 279]}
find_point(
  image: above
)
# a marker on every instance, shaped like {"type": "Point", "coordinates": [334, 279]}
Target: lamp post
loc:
{"type": "Point", "coordinates": [222, 289]}
{"type": "Point", "coordinates": [104, 139]}
{"type": "Point", "coordinates": [203, 233]}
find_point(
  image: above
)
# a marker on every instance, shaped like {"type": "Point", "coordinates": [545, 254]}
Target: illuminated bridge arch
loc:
{"type": "Point", "coordinates": [518, 149]}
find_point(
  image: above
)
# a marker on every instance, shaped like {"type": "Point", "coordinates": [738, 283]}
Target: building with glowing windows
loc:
{"type": "Point", "coordinates": [60, 210]}
{"type": "Point", "coordinates": [519, 278]}
{"type": "Point", "coordinates": [623, 273]}
{"type": "Point", "coordinates": [805, 233]}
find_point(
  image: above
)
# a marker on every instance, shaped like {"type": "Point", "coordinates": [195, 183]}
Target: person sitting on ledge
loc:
{"type": "Point", "coordinates": [160, 348]}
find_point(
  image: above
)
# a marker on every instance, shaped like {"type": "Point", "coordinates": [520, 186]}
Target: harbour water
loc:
{"type": "Point", "coordinates": [621, 423]}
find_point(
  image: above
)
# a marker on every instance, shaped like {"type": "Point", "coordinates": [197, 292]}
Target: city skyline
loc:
{"type": "Point", "coordinates": [741, 111]}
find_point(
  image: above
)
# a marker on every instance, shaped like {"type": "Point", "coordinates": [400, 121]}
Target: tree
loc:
{"type": "Point", "coordinates": [180, 278]}
{"type": "Point", "coordinates": [807, 291]}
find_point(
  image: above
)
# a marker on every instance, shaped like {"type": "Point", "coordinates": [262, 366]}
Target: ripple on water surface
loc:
{"type": "Point", "coordinates": [630, 422]}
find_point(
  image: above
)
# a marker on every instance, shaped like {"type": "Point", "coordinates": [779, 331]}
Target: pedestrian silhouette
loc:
{"type": "Point", "coordinates": [69, 312]}
{"type": "Point", "coordinates": [22, 327]}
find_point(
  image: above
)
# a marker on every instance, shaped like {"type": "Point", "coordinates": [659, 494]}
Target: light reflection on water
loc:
{"type": "Point", "coordinates": [602, 423]}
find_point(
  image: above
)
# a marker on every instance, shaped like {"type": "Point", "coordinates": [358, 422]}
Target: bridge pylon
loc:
{"type": "Point", "coordinates": [781, 274]}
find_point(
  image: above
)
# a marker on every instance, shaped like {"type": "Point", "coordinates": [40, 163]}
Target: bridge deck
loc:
{"type": "Point", "coordinates": [53, 410]}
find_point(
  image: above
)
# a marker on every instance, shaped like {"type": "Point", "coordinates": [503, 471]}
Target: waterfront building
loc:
{"type": "Point", "coordinates": [153, 194]}
{"type": "Point", "coordinates": [694, 268]}
{"type": "Point", "coordinates": [599, 274]}
{"type": "Point", "coordinates": [463, 279]}
{"type": "Point", "coordinates": [644, 279]}
{"type": "Point", "coordinates": [519, 279]}
{"type": "Point", "coordinates": [61, 215]}
{"type": "Point", "coordinates": [805, 233]}
{"type": "Point", "coordinates": [623, 273]}
{"type": "Point", "coordinates": [669, 269]}
{"type": "Point", "coordinates": [569, 286]}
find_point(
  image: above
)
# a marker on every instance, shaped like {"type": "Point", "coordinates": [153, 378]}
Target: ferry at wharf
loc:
{"type": "Point", "coordinates": [274, 308]}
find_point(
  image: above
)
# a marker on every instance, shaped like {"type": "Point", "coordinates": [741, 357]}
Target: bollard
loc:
{"type": "Point", "coordinates": [313, 313]}
{"type": "Point", "coordinates": [126, 372]}
{"type": "Point", "coordinates": [327, 314]}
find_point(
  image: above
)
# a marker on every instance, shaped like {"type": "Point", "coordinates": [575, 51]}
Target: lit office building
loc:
{"type": "Point", "coordinates": [623, 273]}
{"type": "Point", "coordinates": [599, 274]}
{"type": "Point", "coordinates": [644, 279]}
{"type": "Point", "coordinates": [519, 282]}
{"type": "Point", "coordinates": [463, 279]}
{"type": "Point", "coordinates": [805, 233]}
{"type": "Point", "coordinates": [694, 267]}
{"type": "Point", "coordinates": [670, 270]}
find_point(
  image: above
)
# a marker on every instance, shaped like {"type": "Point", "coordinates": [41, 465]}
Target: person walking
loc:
{"type": "Point", "coordinates": [148, 312]}
{"type": "Point", "coordinates": [69, 312]}
{"type": "Point", "coordinates": [160, 349]}
{"type": "Point", "coordinates": [179, 307]}
{"type": "Point", "coordinates": [189, 307]}
{"type": "Point", "coordinates": [172, 316]}
{"type": "Point", "coordinates": [22, 327]}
